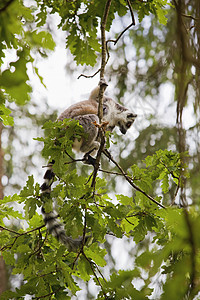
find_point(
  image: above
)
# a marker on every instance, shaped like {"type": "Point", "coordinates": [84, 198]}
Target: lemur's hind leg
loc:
{"type": "Point", "coordinates": [89, 144]}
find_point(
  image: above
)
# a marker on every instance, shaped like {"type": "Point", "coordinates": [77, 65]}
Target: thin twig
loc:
{"type": "Point", "coordinates": [73, 159]}
{"type": "Point", "coordinates": [131, 11]}
{"type": "Point", "coordinates": [89, 76]}
{"type": "Point", "coordinates": [69, 156]}
{"type": "Point", "coordinates": [93, 271]}
{"type": "Point", "coordinates": [40, 246]}
{"type": "Point", "coordinates": [103, 57]}
{"type": "Point", "coordinates": [120, 35]}
{"type": "Point", "coordinates": [99, 271]}
{"type": "Point", "coordinates": [84, 230]}
{"type": "Point", "coordinates": [170, 172]}
{"type": "Point", "coordinates": [111, 172]}
{"type": "Point", "coordinates": [10, 230]}
{"type": "Point", "coordinates": [132, 24]}
{"type": "Point", "coordinates": [131, 182]}
{"type": "Point", "coordinates": [18, 235]}
{"type": "Point", "coordinates": [190, 17]}
{"type": "Point", "coordinates": [129, 221]}
{"type": "Point", "coordinates": [105, 47]}
{"type": "Point", "coordinates": [23, 233]}
{"type": "Point", "coordinates": [48, 295]}
{"type": "Point", "coordinates": [117, 39]}
{"type": "Point", "coordinates": [175, 194]}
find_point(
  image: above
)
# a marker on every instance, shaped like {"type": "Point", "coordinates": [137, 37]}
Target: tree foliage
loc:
{"type": "Point", "coordinates": [155, 218]}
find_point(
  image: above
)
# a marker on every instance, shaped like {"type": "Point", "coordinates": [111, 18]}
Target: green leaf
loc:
{"type": "Point", "coordinates": [84, 268]}
{"type": "Point", "coordinates": [43, 38]}
{"type": "Point", "coordinates": [129, 224]}
{"type": "Point", "coordinates": [125, 200]}
{"type": "Point", "coordinates": [5, 116]}
{"type": "Point", "coordinates": [97, 254]}
{"type": "Point", "coordinates": [28, 190]}
{"type": "Point", "coordinates": [9, 258]}
{"type": "Point", "coordinates": [16, 83]}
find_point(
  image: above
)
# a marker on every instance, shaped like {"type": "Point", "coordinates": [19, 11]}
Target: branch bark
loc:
{"type": "Point", "coordinates": [103, 56]}
{"type": "Point", "coordinates": [102, 87]}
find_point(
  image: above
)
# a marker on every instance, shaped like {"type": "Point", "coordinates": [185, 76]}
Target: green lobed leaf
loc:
{"type": "Point", "coordinates": [97, 254]}
{"type": "Point", "coordinates": [5, 116]}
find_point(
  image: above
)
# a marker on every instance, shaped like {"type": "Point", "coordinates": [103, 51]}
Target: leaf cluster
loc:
{"type": "Point", "coordinates": [18, 38]}
{"type": "Point", "coordinates": [48, 269]}
{"type": "Point", "coordinates": [81, 20]}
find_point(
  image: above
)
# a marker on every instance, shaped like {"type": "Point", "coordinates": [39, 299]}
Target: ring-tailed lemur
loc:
{"type": "Point", "coordinates": [87, 113]}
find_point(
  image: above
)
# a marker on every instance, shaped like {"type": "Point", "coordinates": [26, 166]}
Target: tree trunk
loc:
{"type": "Point", "coordinates": [3, 277]}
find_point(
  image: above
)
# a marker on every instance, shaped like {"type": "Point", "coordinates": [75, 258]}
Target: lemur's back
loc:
{"type": "Point", "coordinates": [79, 109]}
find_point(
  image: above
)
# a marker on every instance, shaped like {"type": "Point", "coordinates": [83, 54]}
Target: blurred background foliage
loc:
{"type": "Point", "coordinates": [153, 69]}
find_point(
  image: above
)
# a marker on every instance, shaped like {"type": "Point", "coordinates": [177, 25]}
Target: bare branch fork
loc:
{"type": "Point", "coordinates": [132, 24]}
{"type": "Point", "coordinates": [107, 7]}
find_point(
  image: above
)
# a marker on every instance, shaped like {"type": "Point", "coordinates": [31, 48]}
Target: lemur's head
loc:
{"type": "Point", "coordinates": [117, 115]}
{"type": "Point", "coordinates": [126, 122]}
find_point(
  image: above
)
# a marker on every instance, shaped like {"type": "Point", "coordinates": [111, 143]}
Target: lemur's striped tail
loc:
{"type": "Point", "coordinates": [50, 219]}
{"type": "Point", "coordinates": [48, 179]}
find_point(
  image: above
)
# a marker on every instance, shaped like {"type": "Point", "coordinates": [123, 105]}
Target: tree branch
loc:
{"type": "Point", "coordinates": [130, 180]}
{"type": "Point", "coordinates": [105, 45]}
{"type": "Point", "coordinates": [120, 35]}
{"type": "Point", "coordinates": [89, 76]}
{"type": "Point", "coordinates": [131, 11]}
{"type": "Point", "coordinates": [18, 235]}
{"type": "Point", "coordinates": [93, 271]}
{"type": "Point", "coordinates": [102, 88]}
{"type": "Point", "coordinates": [23, 233]}
{"type": "Point", "coordinates": [190, 17]}
{"type": "Point", "coordinates": [10, 230]}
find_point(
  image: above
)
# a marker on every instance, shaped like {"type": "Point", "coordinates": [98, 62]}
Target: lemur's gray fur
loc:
{"type": "Point", "coordinates": [87, 113]}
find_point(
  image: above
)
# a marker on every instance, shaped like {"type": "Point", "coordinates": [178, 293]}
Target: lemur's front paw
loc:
{"type": "Point", "coordinates": [103, 82]}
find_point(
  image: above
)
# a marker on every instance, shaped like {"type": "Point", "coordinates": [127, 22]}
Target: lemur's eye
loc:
{"type": "Point", "coordinates": [128, 124]}
{"type": "Point", "coordinates": [104, 109]}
